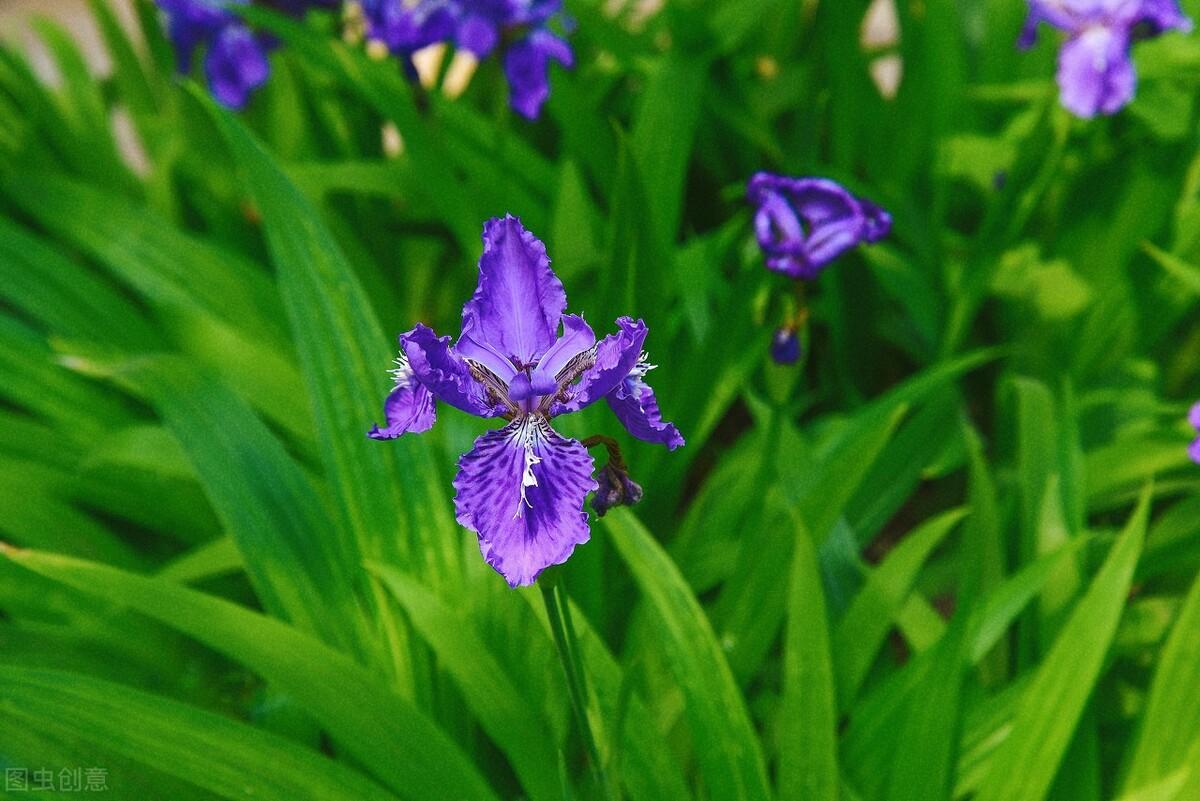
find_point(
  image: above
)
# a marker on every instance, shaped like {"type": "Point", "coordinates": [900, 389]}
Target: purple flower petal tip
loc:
{"type": "Point", "coordinates": [804, 224]}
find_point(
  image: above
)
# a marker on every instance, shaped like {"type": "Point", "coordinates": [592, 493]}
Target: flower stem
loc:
{"type": "Point", "coordinates": [558, 609]}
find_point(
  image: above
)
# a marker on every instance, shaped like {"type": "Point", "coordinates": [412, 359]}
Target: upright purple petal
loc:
{"type": "Point", "coordinates": [635, 406]}
{"type": "Point", "coordinates": [522, 489]}
{"type": "Point", "coordinates": [616, 355]}
{"type": "Point", "coordinates": [527, 68]}
{"type": "Point", "coordinates": [1194, 417]}
{"type": "Point", "coordinates": [519, 300]}
{"type": "Point", "coordinates": [576, 338]}
{"type": "Point", "coordinates": [444, 373]}
{"type": "Point", "coordinates": [409, 407]}
{"type": "Point", "coordinates": [236, 65]}
{"type": "Point", "coordinates": [1095, 74]}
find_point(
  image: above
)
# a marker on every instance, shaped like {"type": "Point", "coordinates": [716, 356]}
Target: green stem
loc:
{"type": "Point", "coordinates": [558, 609]}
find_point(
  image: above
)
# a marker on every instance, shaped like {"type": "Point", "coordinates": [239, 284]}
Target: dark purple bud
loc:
{"type": "Point", "coordinates": [785, 346]}
{"type": "Point", "coordinates": [616, 488]}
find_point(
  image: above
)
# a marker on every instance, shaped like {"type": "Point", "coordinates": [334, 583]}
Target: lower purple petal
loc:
{"type": "Point", "coordinates": [634, 404]}
{"type": "Point", "coordinates": [409, 407]}
{"type": "Point", "coordinates": [1095, 74]}
{"type": "Point", "coordinates": [522, 489]}
{"type": "Point", "coordinates": [1194, 417]}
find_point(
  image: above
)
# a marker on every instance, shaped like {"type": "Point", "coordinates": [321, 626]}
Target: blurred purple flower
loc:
{"type": "Point", "coordinates": [522, 487]}
{"type": "Point", "coordinates": [1194, 419]}
{"type": "Point", "coordinates": [482, 26]}
{"type": "Point", "coordinates": [405, 28]}
{"type": "Point", "coordinates": [1095, 72]}
{"type": "Point", "coordinates": [803, 224]}
{"type": "Point", "coordinates": [235, 63]}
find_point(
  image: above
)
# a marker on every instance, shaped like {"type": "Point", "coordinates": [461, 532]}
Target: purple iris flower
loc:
{"type": "Point", "coordinates": [803, 224]}
{"type": "Point", "coordinates": [521, 488]}
{"type": "Point", "coordinates": [1194, 419]}
{"type": "Point", "coordinates": [235, 63]}
{"type": "Point", "coordinates": [1095, 73]}
{"type": "Point", "coordinates": [481, 27]}
{"type": "Point", "coordinates": [405, 28]}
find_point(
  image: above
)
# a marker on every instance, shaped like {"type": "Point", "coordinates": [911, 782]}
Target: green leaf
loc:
{"type": "Point", "coordinates": [497, 701]}
{"type": "Point", "coordinates": [401, 747]}
{"type": "Point", "coordinates": [808, 766]}
{"type": "Point", "coordinates": [727, 749]}
{"type": "Point", "coordinates": [1025, 765]}
{"type": "Point", "coordinates": [1172, 715]}
{"type": "Point", "coordinates": [228, 758]}
{"type": "Point", "coordinates": [261, 495]}
{"type": "Point", "coordinates": [388, 496]}
{"type": "Point", "coordinates": [861, 631]}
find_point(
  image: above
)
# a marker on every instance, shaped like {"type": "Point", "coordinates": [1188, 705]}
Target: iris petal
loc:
{"type": "Point", "coordinates": [519, 300]}
{"type": "Point", "coordinates": [616, 355]}
{"type": "Point", "coordinates": [409, 407]}
{"type": "Point", "coordinates": [1095, 75]}
{"type": "Point", "coordinates": [521, 489]}
{"type": "Point", "coordinates": [634, 404]}
{"type": "Point", "coordinates": [445, 374]}
{"type": "Point", "coordinates": [577, 337]}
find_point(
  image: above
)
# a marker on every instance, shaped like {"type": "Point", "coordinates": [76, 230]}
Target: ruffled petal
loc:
{"type": "Point", "coordinates": [235, 65]}
{"type": "Point", "coordinates": [521, 489]}
{"type": "Point", "coordinates": [409, 407]}
{"type": "Point", "coordinates": [445, 374]}
{"type": "Point", "coordinates": [1194, 451]}
{"type": "Point", "coordinates": [1095, 75]}
{"type": "Point", "coordinates": [634, 404]}
{"type": "Point", "coordinates": [1194, 417]}
{"type": "Point", "coordinates": [616, 355]}
{"type": "Point", "coordinates": [519, 301]}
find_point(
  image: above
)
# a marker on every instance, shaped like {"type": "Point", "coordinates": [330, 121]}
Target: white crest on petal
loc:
{"type": "Point", "coordinates": [402, 373]}
{"type": "Point", "coordinates": [527, 432]}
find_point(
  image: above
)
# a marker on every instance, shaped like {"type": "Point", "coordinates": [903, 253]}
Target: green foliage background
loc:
{"type": "Point", "coordinates": [951, 555]}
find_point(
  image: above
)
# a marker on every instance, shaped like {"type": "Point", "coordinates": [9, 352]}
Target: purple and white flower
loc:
{"type": "Point", "coordinates": [803, 224]}
{"type": "Point", "coordinates": [520, 358]}
{"type": "Point", "coordinates": [1095, 72]}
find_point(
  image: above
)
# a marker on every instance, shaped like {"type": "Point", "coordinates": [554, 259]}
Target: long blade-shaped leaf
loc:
{"type": "Point", "coordinates": [223, 756]}
{"type": "Point", "coordinates": [1024, 767]}
{"type": "Point", "coordinates": [727, 748]}
{"type": "Point", "coordinates": [344, 355]}
{"type": "Point", "coordinates": [808, 741]}
{"type": "Point", "coordinates": [396, 742]}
